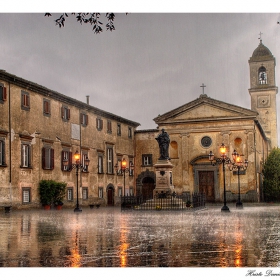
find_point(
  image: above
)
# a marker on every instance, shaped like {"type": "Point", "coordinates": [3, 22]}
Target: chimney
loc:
{"type": "Point", "coordinates": [87, 99]}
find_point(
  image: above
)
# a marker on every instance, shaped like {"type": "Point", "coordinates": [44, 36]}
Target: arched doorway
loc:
{"type": "Point", "coordinates": [148, 185]}
{"type": "Point", "coordinates": [110, 195]}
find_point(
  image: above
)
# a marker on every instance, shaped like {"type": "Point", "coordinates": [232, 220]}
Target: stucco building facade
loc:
{"type": "Point", "coordinates": [39, 128]}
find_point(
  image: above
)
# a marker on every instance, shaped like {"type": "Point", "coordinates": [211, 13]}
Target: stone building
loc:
{"type": "Point", "coordinates": [202, 125]}
{"type": "Point", "coordinates": [39, 128]}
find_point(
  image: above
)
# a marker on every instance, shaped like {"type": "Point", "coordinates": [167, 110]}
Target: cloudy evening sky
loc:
{"type": "Point", "coordinates": [152, 63]}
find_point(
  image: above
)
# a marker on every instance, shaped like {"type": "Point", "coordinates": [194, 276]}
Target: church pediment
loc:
{"type": "Point", "coordinates": [205, 108]}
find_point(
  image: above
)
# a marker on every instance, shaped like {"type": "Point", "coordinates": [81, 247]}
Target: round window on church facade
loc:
{"type": "Point", "coordinates": [206, 141]}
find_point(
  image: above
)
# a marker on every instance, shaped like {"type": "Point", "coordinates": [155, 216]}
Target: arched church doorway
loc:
{"type": "Point", "coordinates": [110, 195]}
{"type": "Point", "coordinates": [148, 185]}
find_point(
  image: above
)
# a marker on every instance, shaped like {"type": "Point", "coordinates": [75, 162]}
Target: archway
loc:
{"type": "Point", "coordinates": [110, 195]}
{"type": "Point", "coordinates": [148, 185]}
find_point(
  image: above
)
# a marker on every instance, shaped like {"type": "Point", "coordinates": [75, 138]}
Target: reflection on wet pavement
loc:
{"type": "Point", "coordinates": [107, 237]}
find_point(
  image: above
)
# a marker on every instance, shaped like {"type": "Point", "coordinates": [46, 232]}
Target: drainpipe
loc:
{"type": "Point", "coordinates": [10, 144]}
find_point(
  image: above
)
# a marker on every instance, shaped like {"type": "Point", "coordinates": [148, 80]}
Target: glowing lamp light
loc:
{"type": "Point", "coordinates": [223, 150]}
{"type": "Point", "coordinates": [123, 164]}
{"type": "Point", "coordinates": [77, 156]}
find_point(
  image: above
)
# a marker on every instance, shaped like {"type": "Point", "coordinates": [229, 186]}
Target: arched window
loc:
{"type": "Point", "coordinates": [262, 76]}
{"type": "Point", "coordinates": [173, 149]}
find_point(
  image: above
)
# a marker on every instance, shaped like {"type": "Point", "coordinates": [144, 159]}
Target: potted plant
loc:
{"type": "Point", "coordinates": [46, 193]}
{"type": "Point", "coordinates": [59, 193]}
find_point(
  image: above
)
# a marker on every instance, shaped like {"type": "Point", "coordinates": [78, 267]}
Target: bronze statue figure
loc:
{"type": "Point", "coordinates": [163, 142]}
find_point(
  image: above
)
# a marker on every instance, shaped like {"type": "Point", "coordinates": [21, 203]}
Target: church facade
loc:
{"type": "Point", "coordinates": [40, 128]}
{"type": "Point", "coordinates": [202, 125]}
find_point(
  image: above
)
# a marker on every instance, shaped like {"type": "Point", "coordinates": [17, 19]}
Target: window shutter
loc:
{"type": "Point", "coordinates": [3, 93]}
{"type": "Point", "coordinates": [86, 119]}
{"type": "Point", "coordinates": [43, 158]}
{"type": "Point", "coordinates": [22, 155]}
{"type": "Point", "coordinates": [27, 100]}
{"type": "Point", "coordinates": [52, 159]}
{"type": "Point", "coordinates": [29, 155]}
{"type": "Point", "coordinates": [62, 158]}
{"type": "Point", "coordinates": [97, 123]}
{"type": "Point", "coordinates": [3, 153]}
{"type": "Point", "coordinates": [101, 124]}
{"type": "Point", "coordinates": [81, 118]}
{"type": "Point", "coordinates": [68, 114]}
{"type": "Point", "coordinates": [70, 161]}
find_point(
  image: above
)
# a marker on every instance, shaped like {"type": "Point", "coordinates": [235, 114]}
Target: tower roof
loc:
{"type": "Point", "coordinates": [261, 53]}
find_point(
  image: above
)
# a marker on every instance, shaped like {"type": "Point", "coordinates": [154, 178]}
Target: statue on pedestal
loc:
{"type": "Point", "coordinates": [163, 142]}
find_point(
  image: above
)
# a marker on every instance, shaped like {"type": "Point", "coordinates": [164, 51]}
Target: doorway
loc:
{"type": "Point", "coordinates": [206, 184]}
{"type": "Point", "coordinates": [110, 195]}
{"type": "Point", "coordinates": [148, 185]}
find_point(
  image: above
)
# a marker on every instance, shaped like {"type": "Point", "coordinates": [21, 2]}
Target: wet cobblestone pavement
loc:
{"type": "Point", "coordinates": [107, 237]}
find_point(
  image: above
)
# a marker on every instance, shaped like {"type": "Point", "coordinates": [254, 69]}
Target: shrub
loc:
{"type": "Point", "coordinates": [51, 192]}
{"type": "Point", "coordinates": [271, 173]}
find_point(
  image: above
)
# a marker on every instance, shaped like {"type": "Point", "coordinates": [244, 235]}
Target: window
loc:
{"type": "Point", "coordinates": [47, 158]}
{"type": "Point", "coordinates": [131, 168]}
{"type": "Point", "coordinates": [100, 192]}
{"type": "Point", "coordinates": [129, 132]}
{"type": "Point", "coordinates": [2, 152]}
{"type": "Point", "coordinates": [26, 195]}
{"type": "Point", "coordinates": [206, 141]}
{"type": "Point", "coordinates": [99, 124]}
{"type": "Point", "coordinates": [66, 155]}
{"type": "Point", "coordinates": [65, 113]}
{"type": "Point", "coordinates": [25, 155]}
{"type": "Point", "coordinates": [147, 160]}
{"type": "Point", "coordinates": [109, 126]}
{"type": "Point", "coordinates": [85, 193]}
{"type": "Point", "coordinates": [119, 191]}
{"type": "Point", "coordinates": [119, 131]}
{"type": "Point", "coordinates": [84, 157]}
{"type": "Point", "coordinates": [70, 194]}
{"type": "Point", "coordinates": [119, 164]}
{"type": "Point", "coordinates": [3, 93]}
{"type": "Point", "coordinates": [131, 191]}
{"type": "Point", "coordinates": [100, 163]}
{"type": "Point", "coordinates": [110, 160]}
{"type": "Point", "coordinates": [84, 119]}
{"type": "Point", "coordinates": [25, 100]}
{"type": "Point", "coordinates": [46, 107]}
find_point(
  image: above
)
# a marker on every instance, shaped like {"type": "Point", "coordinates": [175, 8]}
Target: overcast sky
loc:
{"type": "Point", "coordinates": [152, 63]}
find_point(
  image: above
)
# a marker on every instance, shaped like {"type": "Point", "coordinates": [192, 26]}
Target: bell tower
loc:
{"type": "Point", "coordinates": [263, 91]}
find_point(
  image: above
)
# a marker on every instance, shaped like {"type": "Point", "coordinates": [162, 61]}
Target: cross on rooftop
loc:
{"type": "Point", "coordinates": [203, 86]}
{"type": "Point", "coordinates": [260, 36]}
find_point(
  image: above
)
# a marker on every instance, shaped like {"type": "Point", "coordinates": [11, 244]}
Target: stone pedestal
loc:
{"type": "Point", "coordinates": [164, 184]}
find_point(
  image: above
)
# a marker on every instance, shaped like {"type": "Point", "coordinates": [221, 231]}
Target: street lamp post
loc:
{"type": "Point", "coordinates": [124, 169]}
{"type": "Point", "coordinates": [77, 165]}
{"type": "Point", "coordinates": [223, 160]}
{"type": "Point", "coordinates": [238, 164]}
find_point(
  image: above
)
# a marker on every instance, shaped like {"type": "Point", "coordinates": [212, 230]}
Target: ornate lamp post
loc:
{"type": "Point", "coordinates": [238, 164]}
{"type": "Point", "coordinates": [77, 166]}
{"type": "Point", "coordinates": [223, 160]}
{"type": "Point", "coordinates": [124, 169]}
